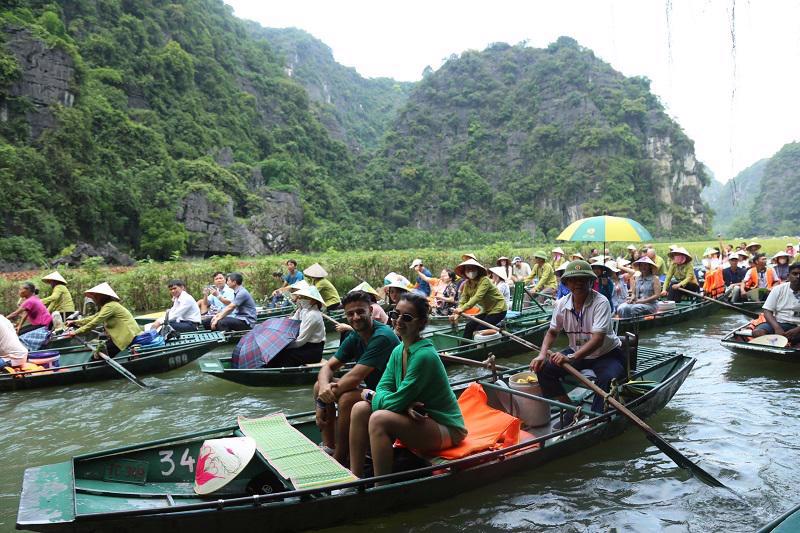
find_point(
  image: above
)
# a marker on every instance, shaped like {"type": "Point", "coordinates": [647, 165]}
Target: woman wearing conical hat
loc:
{"type": "Point", "coordinates": [316, 275]}
{"type": "Point", "coordinates": [478, 290]}
{"type": "Point", "coordinates": [559, 257]}
{"type": "Point", "coordinates": [118, 321]}
{"type": "Point", "coordinates": [306, 349]}
{"type": "Point", "coordinates": [683, 272]}
{"type": "Point", "coordinates": [60, 300]}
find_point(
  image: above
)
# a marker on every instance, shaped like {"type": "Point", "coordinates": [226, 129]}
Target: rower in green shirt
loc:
{"type": "Point", "coordinates": [316, 275]}
{"type": "Point", "coordinates": [478, 290]}
{"type": "Point", "coordinates": [545, 274]}
{"type": "Point", "coordinates": [682, 270]}
{"type": "Point", "coordinates": [60, 300]}
{"type": "Point", "coordinates": [118, 321]}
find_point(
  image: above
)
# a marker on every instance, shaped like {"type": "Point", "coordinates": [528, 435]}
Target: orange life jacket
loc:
{"type": "Point", "coordinates": [751, 279]}
{"type": "Point", "coordinates": [714, 284]}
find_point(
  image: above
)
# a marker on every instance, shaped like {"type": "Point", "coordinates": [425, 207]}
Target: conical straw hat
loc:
{"type": "Point", "coordinates": [557, 250]}
{"type": "Point", "coordinates": [55, 276]}
{"type": "Point", "coordinates": [299, 284]}
{"type": "Point", "coordinates": [500, 272]}
{"type": "Point", "coordinates": [104, 288]}
{"type": "Point", "coordinates": [310, 292]}
{"type": "Point", "coordinates": [469, 262]}
{"type": "Point", "coordinates": [364, 286]}
{"type": "Point", "coordinates": [467, 256]}
{"type": "Point", "coordinates": [315, 271]}
{"type": "Point", "coordinates": [220, 461]}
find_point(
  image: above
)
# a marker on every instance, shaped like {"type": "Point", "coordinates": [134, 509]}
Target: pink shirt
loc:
{"type": "Point", "coordinates": [379, 314]}
{"type": "Point", "coordinates": [37, 312]}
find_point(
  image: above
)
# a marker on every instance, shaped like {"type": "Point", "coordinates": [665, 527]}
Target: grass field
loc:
{"type": "Point", "coordinates": [143, 288]}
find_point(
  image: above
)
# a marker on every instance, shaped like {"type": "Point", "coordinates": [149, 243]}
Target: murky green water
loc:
{"type": "Point", "coordinates": [735, 414]}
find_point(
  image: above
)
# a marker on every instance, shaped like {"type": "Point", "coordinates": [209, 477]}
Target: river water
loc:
{"type": "Point", "coordinates": [735, 415]}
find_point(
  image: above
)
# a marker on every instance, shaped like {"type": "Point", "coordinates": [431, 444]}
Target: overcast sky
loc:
{"type": "Point", "coordinates": [738, 106]}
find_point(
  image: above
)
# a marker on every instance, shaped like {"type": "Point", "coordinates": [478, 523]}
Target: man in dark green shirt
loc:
{"type": "Point", "coordinates": [369, 347]}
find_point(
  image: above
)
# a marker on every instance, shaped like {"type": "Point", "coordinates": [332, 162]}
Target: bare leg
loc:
{"type": "Point", "coordinates": [326, 421]}
{"type": "Point", "coordinates": [346, 402]}
{"type": "Point", "coordinates": [386, 426]}
{"type": "Point", "coordinates": [359, 436]}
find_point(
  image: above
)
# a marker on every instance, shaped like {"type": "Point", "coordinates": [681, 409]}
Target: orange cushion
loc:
{"type": "Point", "coordinates": [487, 428]}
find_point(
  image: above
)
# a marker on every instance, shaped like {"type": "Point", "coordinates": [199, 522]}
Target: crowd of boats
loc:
{"type": "Point", "coordinates": [129, 488]}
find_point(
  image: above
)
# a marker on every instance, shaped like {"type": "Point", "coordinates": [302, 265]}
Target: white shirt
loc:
{"type": "Point", "coordinates": [10, 345]}
{"type": "Point", "coordinates": [783, 304]}
{"type": "Point", "coordinates": [522, 270]}
{"type": "Point", "coordinates": [312, 327]}
{"type": "Point", "coordinates": [184, 309]}
{"type": "Point", "coordinates": [502, 286]}
{"type": "Point", "coordinates": [594, 318]}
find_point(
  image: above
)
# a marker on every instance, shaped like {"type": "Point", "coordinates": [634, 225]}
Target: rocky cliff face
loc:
{"type": "Point", "coordinates": [676, 182]}
{"type": "Point", "coordinates": [46, 77]}
{"type": "Point", "coordinates": [214, 230]}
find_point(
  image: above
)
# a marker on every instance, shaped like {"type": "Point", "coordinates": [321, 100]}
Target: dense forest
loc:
{"type": "Point", "coordinates": [172, 127]}
{"type": "Point", "coordinates": [733, 200]}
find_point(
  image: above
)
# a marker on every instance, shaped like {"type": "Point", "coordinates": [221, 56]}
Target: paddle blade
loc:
{"type": "Point", "coordinates": [779, 341]}
{"type": "Point", "coordinates": [683, 461]}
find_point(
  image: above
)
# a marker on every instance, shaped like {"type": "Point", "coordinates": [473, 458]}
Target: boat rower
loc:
{"type": "Point", "coordinates": [782, 309]}
{"type": "Point", "coordinates": [585, 316]}
{"type": "Point", "coordinates": [118, 321]}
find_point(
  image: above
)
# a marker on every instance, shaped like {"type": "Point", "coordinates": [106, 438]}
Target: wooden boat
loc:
{"type": "Point", "coordinates": [78, 366]}
{"type": "Point", "coordinates": [788, 522]}
{"type": "Point", "coordinates": [530, 325]}
{"type": "Point", "coordinates": [149, 487]}
{"type": "Point", "coordinates": [262, 313]}
{"type": "Point", "coordinates": [738, 340]}
{"type": "Point", "coordinates": [683, 311]}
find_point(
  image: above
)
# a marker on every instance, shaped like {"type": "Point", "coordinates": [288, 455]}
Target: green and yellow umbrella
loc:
{"type": "Point", "coordinates": [605, 229]}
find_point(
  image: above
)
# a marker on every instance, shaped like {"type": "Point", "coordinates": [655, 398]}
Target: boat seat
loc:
{"type": "Point", "coordinates": [298, 462]}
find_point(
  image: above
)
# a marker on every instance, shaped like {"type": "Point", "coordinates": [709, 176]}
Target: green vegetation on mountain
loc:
{"type": "Point", "coordinates": [166, 101]}
{"type": "Point", "coordinates": [518, 137]}
{"type": "Point", "coordinates": [355, 109]}
{"type": "Point", "coordinates": [733, 201]}
{"type": "Point", "coordinates": [160, 89]}
{"type": "Point", "coordinates": [771, 208]}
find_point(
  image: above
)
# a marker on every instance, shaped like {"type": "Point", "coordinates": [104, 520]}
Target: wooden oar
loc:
{"type": "Point", "coordinates": [670, 451]}
{"type": "Point", "coordinates": [127, 374]}
{"type": "Point", "coordinates": [751, 314]}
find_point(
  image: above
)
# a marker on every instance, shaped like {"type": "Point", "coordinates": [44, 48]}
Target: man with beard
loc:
{"type": "Point", "coordinates": [782, 309]}
{"type": "Point", "coordinates": [369, 348]}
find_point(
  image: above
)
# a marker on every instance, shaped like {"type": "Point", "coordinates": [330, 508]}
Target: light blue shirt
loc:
{"type": "Point", "coordinates": [215, 303]}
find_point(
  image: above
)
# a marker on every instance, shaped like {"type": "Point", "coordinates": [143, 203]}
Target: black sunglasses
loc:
{"type": "Point", "coordinates": [405, 317]}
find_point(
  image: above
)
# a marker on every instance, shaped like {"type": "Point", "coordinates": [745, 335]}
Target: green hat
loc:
{"type": "Point", "coordinates": [578, 269]}
{"type": "Point", "coordinates": [539, 254]}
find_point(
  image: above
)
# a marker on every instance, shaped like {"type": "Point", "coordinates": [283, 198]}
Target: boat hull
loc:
{"type": "Point", "coordinates": [318, 508]}
{"type": "Point", "coordinates": [741, 346]}
{"type": "Point", "coordinates": [681, 314]}
{"type": "Point", "coordinates": [169, 357]}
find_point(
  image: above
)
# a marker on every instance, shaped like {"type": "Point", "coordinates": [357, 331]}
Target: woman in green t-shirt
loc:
{"type": "Point", "coordinates": [413, 401]}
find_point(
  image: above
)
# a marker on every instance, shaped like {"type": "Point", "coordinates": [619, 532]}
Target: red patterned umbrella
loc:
{"type": "Point", "coordinates": [258, 347]}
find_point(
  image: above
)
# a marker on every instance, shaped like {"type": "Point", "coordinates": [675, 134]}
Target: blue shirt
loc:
{"type": "Point", "coordinates": [245, 306]}
{"type": "Point", "coordinates": [293, 278]}
{"type": "Point", "coordinates": [424, 286]}
{"type": "Point", "coordinates": [561, 291]}
{"type": "Point", "coordinates": [215, 303]}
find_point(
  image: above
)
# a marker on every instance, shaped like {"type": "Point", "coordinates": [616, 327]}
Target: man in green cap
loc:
{"type": "Point", "coordinates": [544, 273]}
{"type": "Point", "coordinates": [585, 316]}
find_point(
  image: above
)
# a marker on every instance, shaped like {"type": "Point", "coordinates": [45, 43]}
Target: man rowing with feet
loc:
{"type": "Point", "coordinates": [782, 309]}
{"type": "Point", "coordinates": [370, 348]}
{"type": "Point", "coordinates": [585, 316]}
